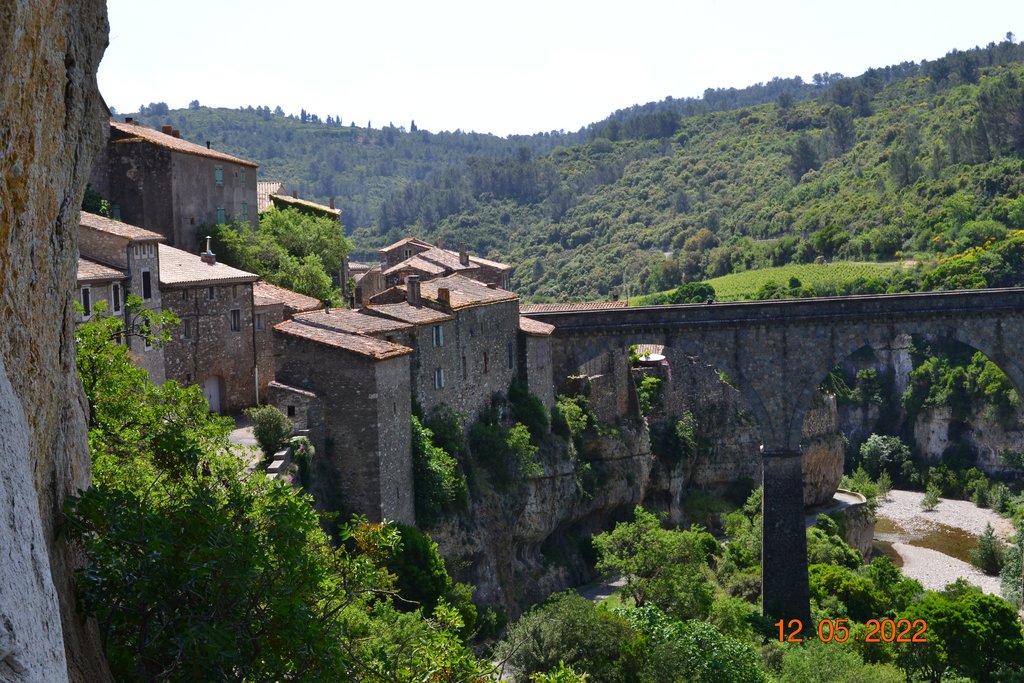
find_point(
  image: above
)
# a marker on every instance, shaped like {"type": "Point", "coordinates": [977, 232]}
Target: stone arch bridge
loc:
{"type": "Point", "coordinates": [777, 353]}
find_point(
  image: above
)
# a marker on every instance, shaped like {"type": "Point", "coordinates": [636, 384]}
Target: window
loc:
{"type": "Point", "coordinates": [186, 328]}
{"type": "Point", "coordinates": [87, 301]}
{"type": "Point", "coordinates": [184, 295]}
{"type": "Point", "coordinates": [259, 321]}
{"type": "Point", "coordinates": [241, 180]}
{"type": "Point", "coordinates": [291, 411]}
{"type": "Point", "coordinates": [245, 211]}
{"type": "Point", "coordinates": [465, 373]}
{"type": "Point", "coordinates": [115, 211]}
{"type": "Point", "coordinates": [147, 285]}
{"type": "Point", "coordinates": [221, 219]}
{"type": "Point", "coordinates": [218, 176]}
{"type": "Point", "coordinates": [439, 378]}
{"type": "Point", "coordinates": [115, 296]}
{"type": "Point", "coordinates": [236, 320]}
{"type": "Point", "coordinates": [438, 336]}
{"type": "Point", "coordinates": [210, 293]}
{"type": "Point", "coordinates": [485, 362]}
{"type": "Point", "coordinates": [511, 355]}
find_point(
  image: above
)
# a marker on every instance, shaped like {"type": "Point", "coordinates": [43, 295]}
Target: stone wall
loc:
{"type": "Point", "coordinates": [196, 197]}
{"type": "Point", "coordinates": [50, 118]}
{"type": "Point", "coordinates": [367, 425]}
{"type": "Point", "coordinates": [139, 179]}
{"type": "Point", "coordinates": [264, 319]}
{"type": "Point", "coordinates": [212, 348]}
{"type": "Point", "coordinates": [535, 367]}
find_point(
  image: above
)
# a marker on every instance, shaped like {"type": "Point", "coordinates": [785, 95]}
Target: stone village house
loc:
{"type": "Point", "coordinates": [170, 185]}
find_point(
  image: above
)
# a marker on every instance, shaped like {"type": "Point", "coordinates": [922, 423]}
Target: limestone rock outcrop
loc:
{"type": "Point", "coordinates": [50, 119]}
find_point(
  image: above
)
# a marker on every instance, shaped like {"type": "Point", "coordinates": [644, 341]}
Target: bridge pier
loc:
{"type": "Point", "coordinates": [784, 588]}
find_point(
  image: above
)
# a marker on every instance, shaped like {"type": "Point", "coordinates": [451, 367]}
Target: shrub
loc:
{"type": "Point", "coordinates": [649, 393]}
{"type": "Point", "coordinates": [270, 427]}
{"type": "Point", "coordinates": [990, 553]}
{"type": "Point", "coordinates": [569, 417]}
{"type": "Point", "coordinates": [440, 488]}
{"type": "Point", "coordinates": [884, 454]}
{"type": "Point", "coordinates": [528, 409]}
{"type": "Point", "coordinates": [931, 498]}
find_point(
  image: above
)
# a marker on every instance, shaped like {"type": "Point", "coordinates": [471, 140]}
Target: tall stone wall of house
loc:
{"type": "Point", "coordinates": [50, 117]}
{"type": "Point", "coordinates": [535, 364]}
{"type": "Point", "coordinates": [264, 319]}
{"type": "Point", "coordinates": [139, 180]}
{"type": "Point", "coordinates": [366, 425]}
{"type": "Point", "coordinates": [212, 348]}
{"type": "Point", "coordinates": [197, 196]}
{"type": "Point", "coordinates": [394, 440]}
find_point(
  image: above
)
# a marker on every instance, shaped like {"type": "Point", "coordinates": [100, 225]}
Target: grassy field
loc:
{"type": "Point", "coordinates": [740, 286]}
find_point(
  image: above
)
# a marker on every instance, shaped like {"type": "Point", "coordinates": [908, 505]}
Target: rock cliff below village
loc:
{"type": "Point", "coordinates": [521, 547]}
{"type": "Point", "coordinates": [50, 117]}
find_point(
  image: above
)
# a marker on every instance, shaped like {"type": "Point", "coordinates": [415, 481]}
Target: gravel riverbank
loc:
{"type": "Point", "coordinates": [932, 568]}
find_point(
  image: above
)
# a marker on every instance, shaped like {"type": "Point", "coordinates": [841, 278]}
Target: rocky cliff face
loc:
{"type": "Point", "coordinates": [50, 119]}
{"type": "Point", "coordinates": [518, 549]}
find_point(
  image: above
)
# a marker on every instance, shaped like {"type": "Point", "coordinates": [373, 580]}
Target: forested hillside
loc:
{"type": "Point", "coordinates": [910, 161]}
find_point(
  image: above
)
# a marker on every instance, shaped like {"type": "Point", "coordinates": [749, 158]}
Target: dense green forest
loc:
{"type": "Point", "coordinates": [908, 161]}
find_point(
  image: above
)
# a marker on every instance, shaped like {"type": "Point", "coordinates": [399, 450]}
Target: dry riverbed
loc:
{"type": "Point", "coordinates": [934, 547]}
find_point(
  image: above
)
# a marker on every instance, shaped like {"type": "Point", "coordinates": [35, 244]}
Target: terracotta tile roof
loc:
{"type": "Point", "coordinates": [371, 347]}
{"type": "Point", "coordinates": [119, 228]}
{"type": "Point", "coordinates": [265, 188]}
{"type": "Point", "coordinates": [91, 271]}
{"type": "Point", "coordinates": [487, 263]}
{"type": "Point", "coordinates": [352, 322]}
{"type": "Point", "coordinates": [406, 312]}
{"type": "Point", "coordinates": [134, 132]}
{"type": "Point", "coordinates": [407, 240]}
{"type": "Point", "coordinates": [179, 268]}
{"type": "Point", "coordinates": [276, 198]}
{"type": "Point", "coordinates": [291, 389]}
{"type": "Point", "coordinates": [357, 268]}
{"type": "Point", "coordinates": [557, 308]}
{"type": "Point", "coordinates": [417, 263]}
{"type": "Point", "coordinates": [535, 327]}
{"type": "Point", "coordinates": [265, 294]}
{"type": "Point", "coordinates": [464, 292]}
{"type": "Point", "coordinates": [647, 349]}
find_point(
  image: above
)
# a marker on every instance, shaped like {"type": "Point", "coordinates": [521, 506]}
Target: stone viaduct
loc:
{"type": "Point", "coordinates": [777, 353]}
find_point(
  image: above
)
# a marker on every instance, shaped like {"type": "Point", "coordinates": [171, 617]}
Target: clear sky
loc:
{"type": "Point", "coordinates": [516, 67]}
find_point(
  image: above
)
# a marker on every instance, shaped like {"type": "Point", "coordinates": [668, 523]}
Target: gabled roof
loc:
{"type": "Point", "coordinates": [181, 269]}
{"type": "Point", "coordinates": [134, 132]}
{"type": "Point", "coordinates": [91, 271]}
{"type": "Point", "coordinates": [266, 294]}
{"type": "Point", "coordinates": [110, 226]}
{"type": "Point", "coordinates": [407, 240]}
{"type": "Point", "coordinates": [353, 322]}
{"type": "Point", "coordinates": [416, 263]}
{"type": "Point", "coordinates": [535, 327]}
{"type": "Point", "coordinates": [406, 312]}
{"type": "Point", "coordinates": [370, 347]}
{"type": "Point", "coordinates": [302, 204]}
{"type": "Point", "coordinates": [487, 263]}
{"type": "Point", "coordinates": [583, 306]}
{"type": "Point", "coordinates": [462, 293]}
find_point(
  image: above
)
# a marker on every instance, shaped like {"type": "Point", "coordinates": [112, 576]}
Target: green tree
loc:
{"type": "Point", "coordinates": [270, 427]}
{"type": "Point", "coordinates": [664, 567]}
{"type": "Point", "coordinates": [884, 454]}
{"type": "Point", "coordinates": [440, 487]}
{"type": "Point", "coordinates": [202, 571]}
{"type": "Point", "coordinates": [989, 554]}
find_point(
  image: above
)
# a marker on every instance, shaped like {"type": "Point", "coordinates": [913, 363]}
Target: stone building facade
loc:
{"type": "Point", "coordinates": [535, 367]}
{"type": "Point", "coordinates": [133, 252]}
{"type": "Point", "coordinates": [172, 186]}
{"type": "Point", "coordinates": [480, 354]}
{"type": "Point", "coordinates": [363, 388]}
{"type": "Point", "coordinates": [215, 344]}
{"type": "Point", "coordinates": [273, 305]}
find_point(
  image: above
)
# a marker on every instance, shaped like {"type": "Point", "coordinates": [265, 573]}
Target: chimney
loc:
{"type": "Point", "coordinates": [412, 290]}
{"type": "Point", "coordinates": [330, 202]}
{"type": "Point", "coordinates": [207, 144]}
{"type": "Point", "coordinates": [166, 129]}
{"type": "Point", "coordinates": [444, 296]}
{"type": "Point", "coordinates": [295, 194]}
{"type": "Point", "coordinates": [176, 133]}
{"type": "Point", "coordinates": [208, 256]}
{"type": "Point", "coordinates": [463, 255]}
{"type": "Point", "coordinates": [357, 297]}
{"type": "Point", "coordinates": [440, 243]}
{"type": "Point", "coordinates": [492, 285]}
